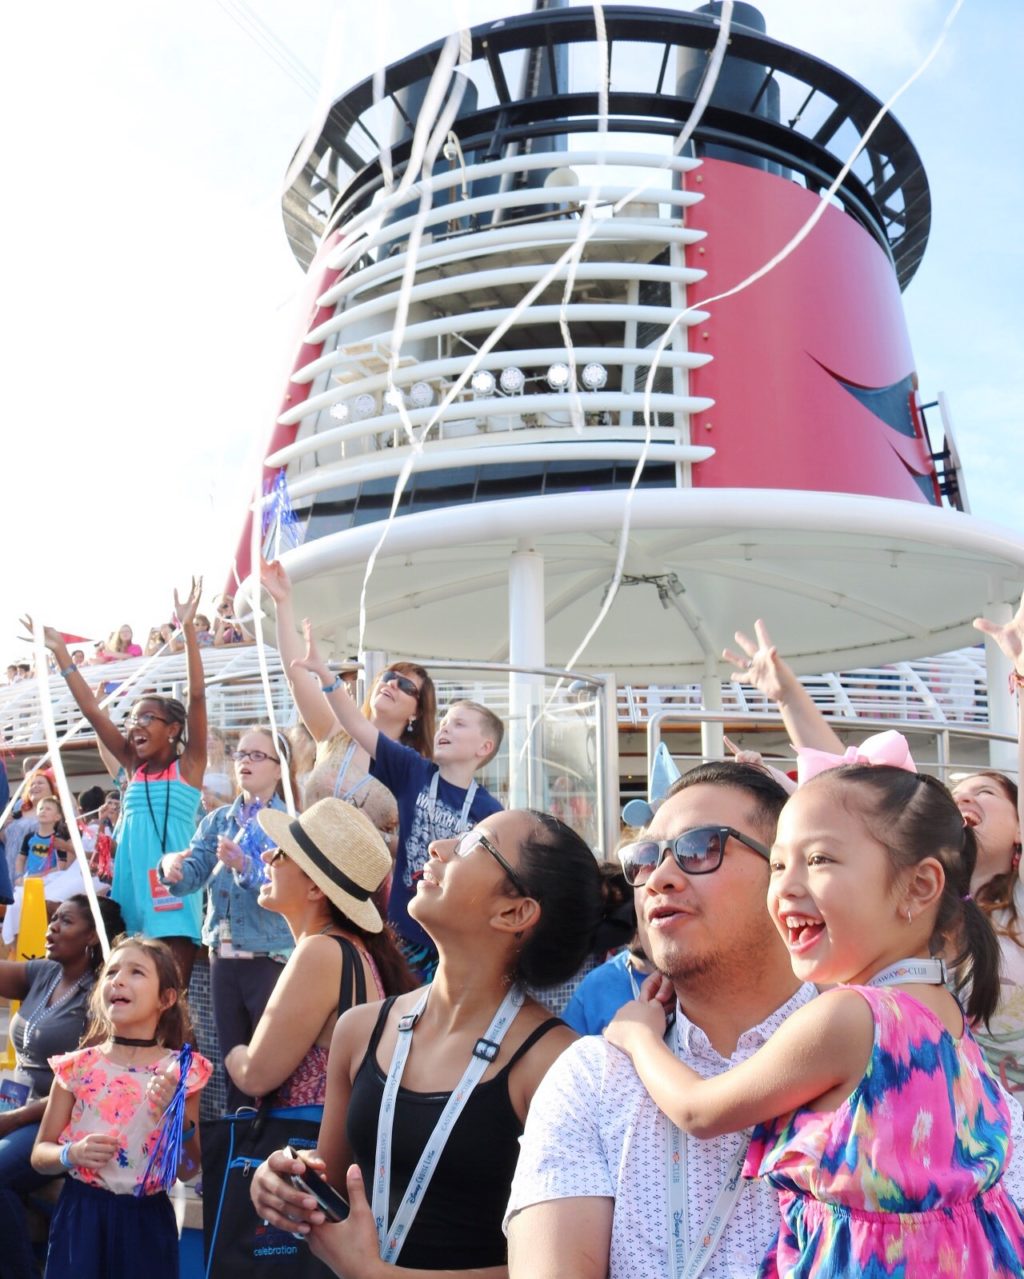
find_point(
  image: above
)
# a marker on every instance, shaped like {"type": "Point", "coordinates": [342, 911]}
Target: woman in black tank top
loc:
{"type": "Point", "coordinates": [514, 901]}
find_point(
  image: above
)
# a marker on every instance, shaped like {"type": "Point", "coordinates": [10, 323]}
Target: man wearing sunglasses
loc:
{"type": "Point", "coordinates": [602, 1187]}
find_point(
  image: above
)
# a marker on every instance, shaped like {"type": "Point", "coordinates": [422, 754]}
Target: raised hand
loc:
{"type": "Point", "coordinates": [1008, 635]}
{"type": "Point", "coordinates": [51, 637]}
{"type": "Point", "coordinates": [275, 580]}
{"type": "Point", "coordinates": [185, 613]}
{"type": "Point", "coordinates": [760, 664]}
{"type": "Point", "coordinates": [312, 661]}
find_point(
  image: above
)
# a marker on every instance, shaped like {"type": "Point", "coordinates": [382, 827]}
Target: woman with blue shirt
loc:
{"type": "Point", "coordinates": [248, 945]}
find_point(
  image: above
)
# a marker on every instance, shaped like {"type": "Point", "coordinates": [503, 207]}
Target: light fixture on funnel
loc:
{"type": "Point", "coordinates": [512, 380]}
{"type": "Point", "coordinates": [483, 383]}
{"type": "Point", "coordinates": [363, 406]}
{"type": "Point", "coordinates": [558, 377]}
{"type": "Point", "coordinates": [595, 376]}
{"type": "Point", "coordinates": [339, 412]}
{"type": "Point", "coordinates": [421, 395]}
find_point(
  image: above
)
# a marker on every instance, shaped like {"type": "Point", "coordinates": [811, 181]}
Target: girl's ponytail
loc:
{"type": "Point", "coordinates": [981, 953]}
{"type": "Point", "coordinates": [978, 960]}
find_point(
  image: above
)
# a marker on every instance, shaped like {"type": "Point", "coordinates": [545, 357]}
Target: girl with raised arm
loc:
{"type": "Point", "coordinates": [163, 751]}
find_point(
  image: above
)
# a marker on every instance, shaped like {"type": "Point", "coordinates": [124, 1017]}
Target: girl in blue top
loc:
{"type": "Point", "coordinates": [163, 751]}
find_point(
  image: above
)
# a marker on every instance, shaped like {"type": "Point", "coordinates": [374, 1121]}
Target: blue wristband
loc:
{"type": "Point", "coordinates": [332, 688]}
{"type": "Point", "coordinates": [188, 1133]}
{"type": "Point", "coordinates": [68, 671]}
{"type": "Point", "coordinates": [65, 1155]}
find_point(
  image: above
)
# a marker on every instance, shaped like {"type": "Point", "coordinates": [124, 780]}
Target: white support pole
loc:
{"type": "Point", "coordinates": [525, 692]}
{"type": "Point", "coordinates": [1002, 707]}
{"type": "Point", "coordinates": [712, 744]}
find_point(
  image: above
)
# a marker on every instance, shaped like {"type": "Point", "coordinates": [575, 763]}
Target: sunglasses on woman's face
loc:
{"type": "Point", "coordinates": [402, 681]}
{"type": "Point", "coordinates": [696, 852]}
{"type": "Point", "coordinates": [474, 839]}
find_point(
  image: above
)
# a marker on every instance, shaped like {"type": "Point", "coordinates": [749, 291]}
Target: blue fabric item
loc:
{"type": "Point", "coordinates": [5, 787]}
{"type": "Point", "coordinates": [97, 1235]}
{"type": "Point", "coordinates": [600, 995]}
{"type": "Point", "coordinates": [230, 898]}
{"type": "Point", "coordinates": [407, 775]}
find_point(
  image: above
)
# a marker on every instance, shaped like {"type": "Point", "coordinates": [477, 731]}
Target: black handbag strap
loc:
{"type": "Point", "coordinates": [353, 979]}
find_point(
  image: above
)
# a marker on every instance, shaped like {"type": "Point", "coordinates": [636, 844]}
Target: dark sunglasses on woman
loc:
{"type": "Point", "coordinates": [403, 682]}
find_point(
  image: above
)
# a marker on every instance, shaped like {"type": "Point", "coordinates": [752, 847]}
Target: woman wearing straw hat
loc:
{"type": "Point", "coordinates": [323, 872]}
{"type": "Point", "coordinates": [427, 1094]}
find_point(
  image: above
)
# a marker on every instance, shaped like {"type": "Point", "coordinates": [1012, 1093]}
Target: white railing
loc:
{"type": "Point", "coordinates": [945, 690]}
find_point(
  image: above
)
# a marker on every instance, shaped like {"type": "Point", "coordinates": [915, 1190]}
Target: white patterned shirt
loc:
{"type": "Point", "coordinates": [593, 1130]}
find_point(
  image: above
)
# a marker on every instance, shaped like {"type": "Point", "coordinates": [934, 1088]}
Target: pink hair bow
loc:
{"type": "Point", "coordinates": [889, 747]}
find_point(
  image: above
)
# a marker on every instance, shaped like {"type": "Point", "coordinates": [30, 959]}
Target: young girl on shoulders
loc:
{"type": "Point", "coordinates": [873, 1101]}
{"type": "Point", "coordinates": [106, 1114]}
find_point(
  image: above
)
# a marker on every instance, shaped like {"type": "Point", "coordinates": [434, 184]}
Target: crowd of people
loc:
{"type": "Point", "coordinates": [800, 1056]}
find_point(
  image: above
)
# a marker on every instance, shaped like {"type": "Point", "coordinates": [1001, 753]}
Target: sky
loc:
{"type": "Point", "coordinates": [150, 296]}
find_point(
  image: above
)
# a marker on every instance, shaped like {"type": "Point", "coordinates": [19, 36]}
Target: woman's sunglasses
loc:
{"type": "Point", "coordinates": [474, 838]}
{"type": "Point", "coordinates": [696, 852]}
{"type": "Point", "coordinates": [404, 683]}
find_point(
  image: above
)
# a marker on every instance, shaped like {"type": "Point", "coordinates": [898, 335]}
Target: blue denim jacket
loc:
{"type": "Point", "coordinates": [229, 896]}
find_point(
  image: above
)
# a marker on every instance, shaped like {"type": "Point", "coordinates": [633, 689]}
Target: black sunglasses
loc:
{"type": "Point", "coordinates": [404, 683]}
{"type": "Point", "coordinates": [468, 842]}
{"type": "Point", "coordinates": [696, 852]}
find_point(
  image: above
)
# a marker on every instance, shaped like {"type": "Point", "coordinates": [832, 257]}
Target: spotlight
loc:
{"type": "Point", "coordinates": [483, 383]}
{"type": "Point", "coordinates": [558, 377]}
{"type": "Point", "coordinates": [512, 380]}
{"type": "Point", "coordinates": [339, 412]}
{"type": "Point", "coordinates": [421, 395]}
{"type": "Point", "coordinates": [363, 406]}
{"type": "Point", "coordinates": [595, 376]}
{"type": "Point", "coordinates": [394, 397]}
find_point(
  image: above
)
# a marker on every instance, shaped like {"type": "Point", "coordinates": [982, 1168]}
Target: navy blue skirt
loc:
{"type": "Point", "coordinates": [98, 1235]}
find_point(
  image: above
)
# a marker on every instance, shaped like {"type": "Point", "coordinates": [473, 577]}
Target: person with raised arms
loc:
{"type": "Point", "coordinates": [163, 751]}
{"type": "Point", "coordinates": [437, 799]}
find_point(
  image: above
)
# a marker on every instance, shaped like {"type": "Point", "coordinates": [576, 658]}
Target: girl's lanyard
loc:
{"type": "Point", "coordinates": [343, 770]}
{"type": "Point", "coordinates": [392, 1237]}
{"type": "Point", "coordinates": [464, 816]}
{"type": "Point", "coordinates": [689, 1265]}
{"type": "Point", "coordinates": [929, 972]}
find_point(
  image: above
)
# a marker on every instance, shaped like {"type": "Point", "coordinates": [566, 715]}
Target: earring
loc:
{"type": "Point", "coordinates": [910, 918]}
{"type": "Point", "coordinates": [409, 726]}
{"type": "Point", "coordinates": [1015, 859]}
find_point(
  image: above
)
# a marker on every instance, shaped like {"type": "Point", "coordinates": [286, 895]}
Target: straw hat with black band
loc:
{"type": "Point", "coordinates": [341, 851]}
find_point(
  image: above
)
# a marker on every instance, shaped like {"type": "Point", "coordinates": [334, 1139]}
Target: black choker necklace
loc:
{"type": "Point", "coordinates": [125, 1042]}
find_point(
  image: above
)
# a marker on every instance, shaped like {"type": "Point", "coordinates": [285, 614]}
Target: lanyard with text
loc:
{"type": "Point", "coordinates": [928, 972]}
{"type": "Point", "coordinates": [464, 816]}
{"type": "Point", "coordinates": [684, 1265]}
{"type": "Point", "coordinates": [392, 1237]}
